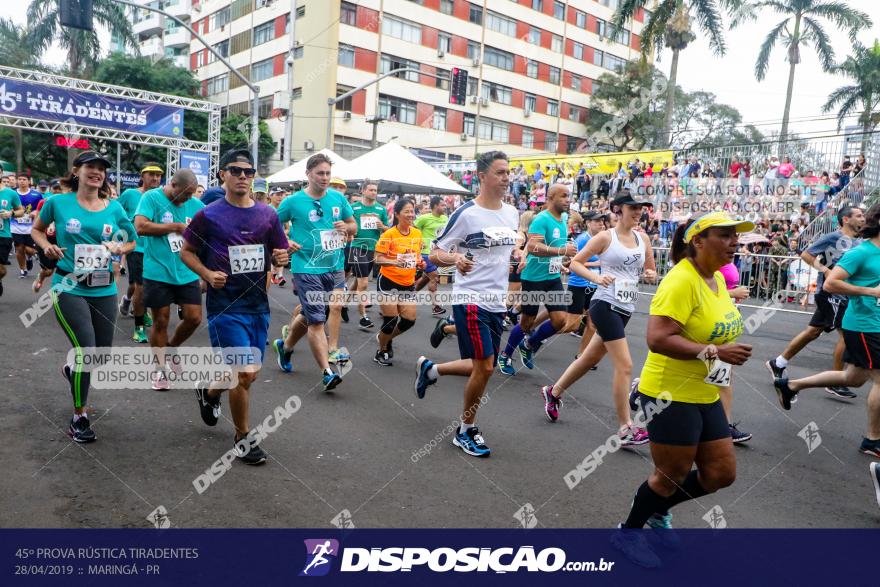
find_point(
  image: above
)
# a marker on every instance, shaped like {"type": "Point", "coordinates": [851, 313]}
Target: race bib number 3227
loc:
{"type": "Point", "coordinates": [247, 259]}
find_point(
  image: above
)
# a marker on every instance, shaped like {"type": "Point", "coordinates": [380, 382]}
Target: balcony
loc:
{"type": "Point", "coordinates": [152, 48]}
{"type": "Point", "coordinates": [179, 8]}
{"type": "Point", "coordinates": [180, 61]}
{"type": "Point", "coordinates": [149, 24]}
{"type": "Point", "coordinates": [177, 37]}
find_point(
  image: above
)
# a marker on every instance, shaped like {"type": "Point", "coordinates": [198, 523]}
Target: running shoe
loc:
{"type": "Point", "coordinates": [841, 391]}
{"type": "Point", "coordinates": [576, 334]}
{"type": "Point", "coordinates": [344, 314]}
{"type": "Point", "coordinates": [283, 356]}
{"type": "Point", "coordinates": [390, 350]}
{"type": "Point", "coordinates": [209, 408]}
{"type": "Point", "coordinates": [365, 323]}
{"type": "Point", "coordinates": [633, 436]}
{"type": "Point", "coordinates": [666, 535]}
{"type": "Point", "coordinates": [278, 280]}
{"type": "Point", "coordinates": [285, 330]}
{"type": "Point", "coordinates": [81, 430]}
{"type": "Point", "coordinates": [874, 468]}
{"type": "Point", "coordinates": [738, 435]}
{"type": "Point", "coordinates": [331, 380]}
{"type": "Point", "coordinates": [148, 319]}
{"type": "Point", "coordinates": [437, 335]}
{"type": "Point", "coordinates": [551, 403]}
{"type": "Point", "coordinates": [783, 392]}
{"type": "Point", "coordinates": [337, 357]}
{"type": "Point", "coordinates": [248, 451]}
{"type": "Point", "coordinates": [632, 543]}
{"type": "Point", "coordinates": [870, 447]}
{"type": "Point", "coordinates": [38, 285]}
{"type": "Point", "coordinates": [423, 365]}
{"type": "Point", "coordinates": [66, 372]}
{"type": "Point", "coordinates": [438, 311]}
{"type": "Point", "coordinates": [775, 372]}
{"type": "Point", "coordinates": [382, 358]}
{"type": "Point", "coordinates": [125, 307]}
{"type": "Point", "coordinates": [471, 442]}
{"type": "Point", "coordinates": [505, 365]}
{"type": "Point", "coordinates": [526, 354]}
{"type": "Point", "coordinates": [159, 381]}
{"type": "Point", "coordinates": [139, 336]}
{"type": "Point", "coordinates": [634, 395]}
{"type": "Point", "coordinates": [22, 273]}
{"type": "Point", "coordinates": [29, 263]}
{"type": "Point", "coordinates": [505, 324]}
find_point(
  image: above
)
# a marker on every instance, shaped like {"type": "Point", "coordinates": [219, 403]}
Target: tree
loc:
{"type": "Point", "coordinates": [83, 47]}
{"type": "Point", "coordinates": [669, 26]}
{"type": "Point", "coordinates": [863, 68]}
{"type": "Point", "coordinates": [235, 133]}
{"type": "Point", "coordinates": [17, 50]}
{"type": "Point", "coordinates": [700, 121]}
{"type": "Point", "coordinates": [800, 26]}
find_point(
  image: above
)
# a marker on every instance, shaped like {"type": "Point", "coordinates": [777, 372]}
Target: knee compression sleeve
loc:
{"type": "Point", "coordinates": [388, 324]}
{"type": "Point", "coordinates": [405, 324]}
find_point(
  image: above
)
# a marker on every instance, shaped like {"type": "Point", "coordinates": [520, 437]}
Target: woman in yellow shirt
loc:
{"type": "Point", "coordinates": [398, 256]}
{"type": "Point", "coordinates": [692, 333]}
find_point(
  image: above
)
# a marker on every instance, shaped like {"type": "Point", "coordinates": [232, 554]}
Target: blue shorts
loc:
{"type": "Point", "coordinates": [311, 289]}
{"type": "Point", "coordinates": [478, 331]}
{"type": "Point", "coordinates": [429, 267]}
{"type": "Point", "coordinates": [231, 329]}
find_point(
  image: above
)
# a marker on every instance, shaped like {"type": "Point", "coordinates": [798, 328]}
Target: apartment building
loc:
{"type": "Point", "coordinates": [532, 67]}
{"type": "Point", "coordinates": [158, 36]}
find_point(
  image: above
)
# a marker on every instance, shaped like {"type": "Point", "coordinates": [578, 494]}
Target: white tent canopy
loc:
{"type": "Point", "coordinates": [398, 171]}
{"type": "Point", "coordinates": [297, 171]}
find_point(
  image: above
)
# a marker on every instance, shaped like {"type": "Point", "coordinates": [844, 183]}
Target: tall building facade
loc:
{"type": "Point", "coordinates": [532, 66]}
{"type": "Point", "coordinates": [160, 37]}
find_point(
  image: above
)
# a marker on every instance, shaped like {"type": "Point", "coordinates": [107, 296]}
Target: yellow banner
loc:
{"type": "Point", "coordinates": [595, 163]}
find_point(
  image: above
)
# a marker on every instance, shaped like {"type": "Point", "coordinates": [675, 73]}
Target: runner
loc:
{"type": "Point", "coordinates": [430, 225]}
{"type": "Point", "coordinates": [161, 218]}
{"type": "Point", "coordinates": [822, 255]}
{"type": "Point", "coordinates": [47, 265]}
{"type": "Point", "coordinates": [547, 248]}
{"type": "Point", "coordinates": [581, 289]}
{"type": "Point", "coordinates": [397, 254]}
{"type": "Point", "coordinates": [260, 190]}
{"type": "Point", "coordinates": [857, 275]}
{"type": "Point", "coordinates": [10, 207]}
{"type": "Point", "coordinates": [83, 289]}
{"type": "Point", "coordinates": [276, 195]}
{"type": "Point", "coordinates": [320, 220]}
{"type": "Point", "coordinates": [691, 332]}
{"type": "Point", "coordinates": [623, 252]}
{"type": "Point", "coordinates": [478, 241]}
{"type": "Point", "coordinates": [133, 301]}
{"type": "Point", "coordinates": [338, 309]}
{"type": "Point", "coordinates": [229, 244]}
{"type": "Point", "coordinates": [21, 225]}
{"type": "Point", "coordinates": [371, 220]}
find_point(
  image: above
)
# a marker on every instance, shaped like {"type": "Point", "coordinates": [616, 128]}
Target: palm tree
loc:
{"type": "Point", "coordinates": [83, 47]}
{"type": "Point", "coordinates": [669, 26]}
{"type": "Point", "coordinates": [863, 68]}
{"type": "Point", "coordinates": [800, 26]}
{"type": "Point", "coordinates": [16, 50]}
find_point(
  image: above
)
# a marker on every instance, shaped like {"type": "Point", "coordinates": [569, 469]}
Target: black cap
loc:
{"type": "Point", "coordinates": [594, 215]}
{"type": "Point", "coordinates": [54, 183]}
{"type": "Point", "coordinates": [625, 198]}
{"type": "Point", "coordinates": [43, 183]}
{"type": "Point", "coordinates": [235, 156]}
{"type": "Point", "coordinates": [91, 156]}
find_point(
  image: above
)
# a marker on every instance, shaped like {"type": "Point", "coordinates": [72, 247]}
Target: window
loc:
{"type": "Point", "coordinates": [300, 11]}
{"type": "Point", "coordinates": [439, 120]}
{"type": "Point", "coordinates": [528, 140]}
{"type": "Point", "coordinates": [444, 42]}
{"type": "Point", "coordinates": [497, 93]}
{"type": "Point", "coordinates": [606, 31]}
{"type": "Point", "coordinates": [613, 4]}
{"type": "Point", "coordinates": [538, 5]}
{"type": "Point", "coordinates": [571, 145]}
{"type": "Point", "coordinates": [475, 15]}
{"type": "Point", "coordinates": [552, 108]}
{"type": "Point", "coordinates": [219, 19]}
{"type": "Point", "coordinates": [397, 109]}
{"type": "Point", "coordinates": [534, 36]}
{"type": "Point", "coordinates": [494, 130]}
{"type": "Point", "coordinates": [219, 84]}
{"type": "Point", "coordinates": [594, 86]}
{"type": "Point", "coordinates": [348, 14]}
{"type": "Point", "coordinates": [472, 86]}
{"type": "Point", "coordinates": [222, 48]}
{"type": "Point", "coordinates": [473, 50]}
{"type": "Point", "coordinates": [286, 27]}
{"type": "Point", "coordinates": [240, 8]}
{"type": "Point", "coordinates": [555, 75]}
{"type": "Point", "coordinates": [262, 70]}
{"type": "Point", "coordinates": [346, 55]}
{"type": "Point", "coordinates": [608, 61]}
{"type": "Point", "coordinates": [574, 113]}
{"type": "Point", "coordinates": [240, 42]}
{"type": "Point", "coordinates": [530, 102]}
{"type": "Point", "coordinates": [442, 80]}
{"type": "Point", "coordinates": [298, 52]}
{"type": "Point", "coordinates": [200, 59]}
{"type": "Point", "coordinates": [559, 9]}
{"type": "Point", "coordinates": [576, 82]}
{"type": "Point", "coordinates": [556, 44]}
{"type": "Point", "coordinates": [551, 142]}
{"type": "Point", "coordinates": [343, 104]}
{"type": "Point", "coordinates": [577, 51]}
{"type": "Point", "coordinates": [389, 62]}
{"type": "Point", "coordinates": [501, 24]}
{"type": "Point", "coordinates": [469, 124]}
{"type": "Point", "coordinates": [447, 6]}
{"type": "Point", "coordinates": [264, 33]}
{"type": "Point", "coordinates": [580, 19]}
{"type": "Point", "coordinates": [532, 68]}
{"type": "Point", "coordinates": [498, 58]}
{"type": "Point", "coordinates": [401, 29]}
{"type": "Point", "coordinates": [265, 110]}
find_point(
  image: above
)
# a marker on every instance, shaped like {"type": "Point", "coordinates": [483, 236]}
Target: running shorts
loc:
{"type": "Point", "coordinates": [685, 424]}
{"type": "Point", "coordinates": [479, 331]}
{"type": "Point", "coordinates": [6, 245]}
{"type": "Point", "coordinates": [394, 291]}
{"type": "Point", "coordinates": [609, 322]}
{"type": "Point", "coordinates": [231, 329]}
{"type": "Point", "coordinates": [549, 285]}
{"type": "Point", "coordinates": [46, 262]}
{"type": "Point", "coordinates": [581, 296]}
{"type": "Point", "coordinates": [23, 239]}
{"type": "Point", "coordinates": [313, 290]}
{"type": "Point", "coordinates": [158, 294]}
{"type": "Point", "coordinates": [862, 348]}
{"type": "Point", "coordinates": [829, 311]}
{"type": "Point", "coordinates": [359, 260]}
{"type": "Point", "coordinates": [134, 263]}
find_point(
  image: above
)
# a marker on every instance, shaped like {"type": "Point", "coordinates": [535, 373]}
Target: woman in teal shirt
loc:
{"type": "Point", "coordinates": [89, 229]}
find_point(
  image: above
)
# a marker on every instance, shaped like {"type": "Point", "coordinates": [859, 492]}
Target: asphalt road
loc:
{"type": "Point", "coordinates": [357, 449]}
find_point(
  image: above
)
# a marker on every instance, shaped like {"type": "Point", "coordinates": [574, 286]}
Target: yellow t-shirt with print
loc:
{"type": "Point", "coordinates": [706, 317]}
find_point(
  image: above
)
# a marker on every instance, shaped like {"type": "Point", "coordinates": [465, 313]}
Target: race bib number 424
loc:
{"type": "Point", "coordinates": [247, 259]}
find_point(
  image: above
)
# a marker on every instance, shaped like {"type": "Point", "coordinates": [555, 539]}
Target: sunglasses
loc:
{"type": "Point", "coordinates": [237, 171]}
{"type": "Point", "coordinates": [318, 209]}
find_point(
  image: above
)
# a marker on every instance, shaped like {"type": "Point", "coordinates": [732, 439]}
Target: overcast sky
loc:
{"type": "Point", "coordinates": [730, 77]}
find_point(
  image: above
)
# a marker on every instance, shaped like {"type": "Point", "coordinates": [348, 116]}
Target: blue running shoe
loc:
{"type": "Point", "coordinates": [423, 365]}
{"type": "Point", "coordinates": [283, 356]}
{"type": "Point", "coordinates": [665, 534]}
{"type": "Point", "coordinates": [505, 365]}
{"type": "Point", "coordinates": [471, 442]}
{"type": "Point", "coordinates": [526, 355]}
{"type": "Point", "coordinates": [632, 544]}
{"type": "Point", "coordinates": [331, 380]}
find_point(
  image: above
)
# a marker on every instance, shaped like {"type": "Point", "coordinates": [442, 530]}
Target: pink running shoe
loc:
{"type": "Point", "coordinates": [633, 436]}
{"type": "Point", "coordinates": [160, 381]}
{"type": "Point", "coordinates": [552, 404]}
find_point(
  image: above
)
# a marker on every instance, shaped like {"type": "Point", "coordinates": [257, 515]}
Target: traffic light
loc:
{"type": "Point", "coordinates": [458, 87]}
{"type": "Point", "coordinates": [76, 14]}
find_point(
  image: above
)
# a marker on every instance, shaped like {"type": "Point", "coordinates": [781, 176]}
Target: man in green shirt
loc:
{"type": "Point", "coordinates": [431, 224]}
{"type": "Point", "coordinates": [10, 207]}
{"type": "Point", "coordinates": [372, 220]}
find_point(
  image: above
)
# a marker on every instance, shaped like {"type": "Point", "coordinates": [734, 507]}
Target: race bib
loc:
{"type": "Point", "coordinates": [91, 258]}
{"type": "Point", "coordinates": [247, 259]}
{"type": "Point", "coordinates": [369, 223]}
{"type": "Point", "coordinates": [175, 241]}
{"type": "Point", "coordinates": [719, 373]}
{"type": "Point", "coordinates": [2, 220]}
{"type": "Point", "coordinates": [626, 291]}
{"type": "Point", "coordinates": [407, 260]}
{"type": "Point", "coordinates": [26, 219]}
{"type": "Point", "coordinates": [332, 240]}
{"type": "Point", "coordinates": [555, 265]}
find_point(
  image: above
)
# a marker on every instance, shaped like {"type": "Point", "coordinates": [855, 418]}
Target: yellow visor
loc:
{"type": "Point", "coordinates": [716, 219]}
{"type": "Point", "coordinates": [152, 169]}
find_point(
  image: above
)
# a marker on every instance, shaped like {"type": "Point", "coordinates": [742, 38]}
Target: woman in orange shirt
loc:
{"type": "Point", "coordinates": [398, 256]}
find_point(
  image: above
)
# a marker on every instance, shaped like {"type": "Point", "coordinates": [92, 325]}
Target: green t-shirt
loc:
{"type": "Point", "coordinates": [863, 265]}
{"type": "Point", "coordinates": [75, 228]}
{"type": "Point", "coordinates": [311, 223]}
{"type": "Point", "coordinates": [129, 200]}
{"type": "Point", "coordinates": [555, 233]}
{"type": "Point", "coordinates": [430, 226]}
{"type": "Point", "coordinates": [162, 253]}
{"type": "Point", "coordinates": [9, 200]}
{"type": "Point", "coordinates": [367, 237]}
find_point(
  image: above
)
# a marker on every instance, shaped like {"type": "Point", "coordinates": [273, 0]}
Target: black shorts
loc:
{"type": "Point", "coordinates": [685, 424]}
{"type": "Point", "coordinates": [5, 249]}
{"type": "Point", "coordinates": [550, 285]}
{"type": "Point", "coordinates": [46, 262]}
{"type": "Point", "coordinates": [581, 296]}
{"type": "Point", "coordinates": [359, 260]}
{"type": "Point", "coordinates": [610, 323]}
{"type": "Point", "coordinates": [158, 294]}
{"type": "Point", "coordinates": [395, 291]}
{"type": "Point", "coordinates": [23, 239]}
{"type": "Point", "coordinates": [513, 276]}
{"type": "Point", "coordinates": [829, 311]}
{"type": "Point", "coordinates": [862, 348]}
{"type": "Point", "coordinates": [134, 263]}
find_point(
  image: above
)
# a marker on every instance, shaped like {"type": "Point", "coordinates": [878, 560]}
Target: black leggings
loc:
{"type": "Point", "coordinates": [87, 322]}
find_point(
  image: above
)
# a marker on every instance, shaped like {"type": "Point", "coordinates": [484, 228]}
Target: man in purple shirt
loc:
{"type": "Point", "coordinates": [230, 245]}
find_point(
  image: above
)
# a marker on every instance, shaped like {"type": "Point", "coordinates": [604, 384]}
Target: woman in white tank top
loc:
{"type": "Point", "coordinates": [625, 256]}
